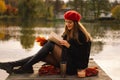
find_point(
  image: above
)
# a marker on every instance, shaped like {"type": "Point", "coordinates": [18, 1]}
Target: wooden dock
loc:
{"type": "Point", "coordinates": [101, 76]}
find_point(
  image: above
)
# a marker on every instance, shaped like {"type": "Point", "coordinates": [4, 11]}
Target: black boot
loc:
{"type": "Point", "coordinates": [8, 66]}
{"type": "Point", "coordinates": [20, 62]}
{"type": "Point", "coordinates": [22, 70]}
{"type": "Point", "coordinates": [42, 53]}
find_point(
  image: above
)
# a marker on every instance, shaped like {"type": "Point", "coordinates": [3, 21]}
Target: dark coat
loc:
{"type": "Point", "coordinates": [77, 54]}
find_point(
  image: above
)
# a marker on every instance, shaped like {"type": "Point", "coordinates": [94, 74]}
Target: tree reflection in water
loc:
{"type": "Point", "coordinates": [26, 30]}
{"type": "Point", "coordinates": [27, 37]}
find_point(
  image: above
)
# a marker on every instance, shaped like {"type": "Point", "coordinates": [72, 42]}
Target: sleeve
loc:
{"type": "Point", "coordinates": [83, 57]}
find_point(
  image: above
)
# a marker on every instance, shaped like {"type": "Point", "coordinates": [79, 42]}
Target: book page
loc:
{"type": "Point", "coordinates": [54, 37]}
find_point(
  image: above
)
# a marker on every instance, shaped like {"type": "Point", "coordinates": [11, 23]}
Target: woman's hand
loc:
{"type": "Point", "coordinates": [64, 43]}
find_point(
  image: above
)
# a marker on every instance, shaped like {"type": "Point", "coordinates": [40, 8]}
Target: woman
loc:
{"type": "Point", "coordinates": [76, 46]}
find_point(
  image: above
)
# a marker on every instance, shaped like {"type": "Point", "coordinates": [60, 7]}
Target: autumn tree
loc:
{"type": "Point", "coordinates": [31, 8]}
{"type": "Point", "coordinates": [49, 7]}
{"type": "Point", "coordinates": [2, 6]}
{"type": "Point", "coordinates": [116, 12]}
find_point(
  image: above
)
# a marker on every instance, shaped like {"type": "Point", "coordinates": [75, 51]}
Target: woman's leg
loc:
{"type": "Point", "coordinates": [54, 58]}
{"type": "Point", "coordinates": [43, 53]}
{"type": "Point", "coordinates": [57, 52]}
{"type": "Point", "coordinates": [20, 62]}
{"type": "Point", "coordinates": [50, 60]}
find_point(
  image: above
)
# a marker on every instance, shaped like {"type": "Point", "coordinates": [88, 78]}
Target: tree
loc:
{"type": "Point", "coordinates": [57, 6]}
{"type": "Point", "coordinates": [49, 7]}
{"type": "Point", "coordinates": [78, 5]}
{"type": "Point", "coordinates": [31, 8]}
{"type": "Point", "coordinates": [97, 6]}
{"type": "Point", "coordinates": [116, 12]}
{"type": "Point", "coordinates": [90, 7]}
{"type": "Point", "coordinates": [2, 7]}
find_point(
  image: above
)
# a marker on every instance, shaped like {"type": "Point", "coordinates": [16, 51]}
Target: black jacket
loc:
{"type": "Point", "coordinates": [77, 54]}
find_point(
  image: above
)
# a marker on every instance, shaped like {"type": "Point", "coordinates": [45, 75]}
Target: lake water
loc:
{"type": "Point", "coordinates": [18, 41]}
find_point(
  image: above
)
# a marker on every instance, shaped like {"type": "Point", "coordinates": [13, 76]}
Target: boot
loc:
{"type": "Point", "coordinates": [20, 62]}
{"type": "Point", "coordinates": [42, 53]}
{"type": "Point", "coordinates": [21, 70]}
{"type": "Point", "coordinates": [8, 66]}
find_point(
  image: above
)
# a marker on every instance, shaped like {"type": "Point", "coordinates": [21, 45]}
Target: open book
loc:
{"type": "Point", "coordinates": [55, 38]}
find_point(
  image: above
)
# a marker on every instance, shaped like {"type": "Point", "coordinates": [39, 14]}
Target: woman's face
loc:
{"type": "Point", "coordinates": [69, 24]}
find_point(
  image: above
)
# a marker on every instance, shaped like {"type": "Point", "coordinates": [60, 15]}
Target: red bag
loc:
{"type": "Point", "coordinates": [93, 71]}
{"type": "Point", "coordinates": [49, 70]}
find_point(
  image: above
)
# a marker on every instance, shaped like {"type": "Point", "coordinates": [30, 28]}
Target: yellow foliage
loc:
{"type": "Point", "coordinates": [116, 12]}
{"type": "Point", "coordinates": [64, 6]}
{"type": "Point", "coordinates": [2, 7]}
{"type": "Point", "coordinates": [2, 36]}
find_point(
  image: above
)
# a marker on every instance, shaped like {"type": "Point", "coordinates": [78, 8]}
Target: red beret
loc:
{"type": "Point", "coordinates": [72, 15]}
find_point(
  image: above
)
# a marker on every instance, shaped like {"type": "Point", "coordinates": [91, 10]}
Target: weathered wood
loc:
{"type": "Point", "coordinates": [101, 76]}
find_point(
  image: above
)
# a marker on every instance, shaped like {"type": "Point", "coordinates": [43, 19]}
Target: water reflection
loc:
{"type": "Point", "coordinates": [27, 37]}
{"type": "Point", "coordinates": [26, 31]}
{"type": "Point", "coordinates": [102, 35]}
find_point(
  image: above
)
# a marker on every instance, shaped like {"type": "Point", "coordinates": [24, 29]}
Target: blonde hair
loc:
{"type": "Point", "coordinates": [74, 32]}
{"type": "Point", "coordinates": [88, 36]}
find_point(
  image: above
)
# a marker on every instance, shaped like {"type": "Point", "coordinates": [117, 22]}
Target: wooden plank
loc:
{"type": "Point", "coordinates": [101, 76]}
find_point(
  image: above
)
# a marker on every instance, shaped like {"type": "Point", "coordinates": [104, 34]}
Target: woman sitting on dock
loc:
{"type": "Point", "coordinates": [75, 50]}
